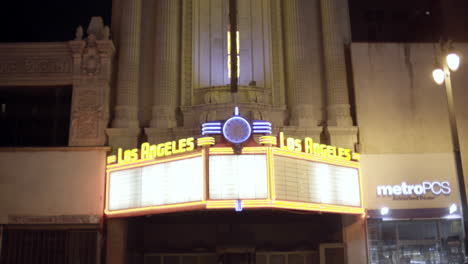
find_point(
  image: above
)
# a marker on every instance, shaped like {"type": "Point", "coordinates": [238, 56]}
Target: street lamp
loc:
{"type": "Point", "coordinates": [450, 61]}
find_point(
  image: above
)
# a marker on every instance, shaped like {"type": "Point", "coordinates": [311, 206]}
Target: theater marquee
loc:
{"type": "Point", "coordinates": [197, 174]}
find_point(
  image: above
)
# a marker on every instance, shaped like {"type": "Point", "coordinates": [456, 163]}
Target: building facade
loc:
{"type": "Point", "coordinates": [160, 71]}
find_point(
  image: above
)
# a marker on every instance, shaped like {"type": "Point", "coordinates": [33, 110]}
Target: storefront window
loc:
{"type": "Point", "coordinates": [419, 241]}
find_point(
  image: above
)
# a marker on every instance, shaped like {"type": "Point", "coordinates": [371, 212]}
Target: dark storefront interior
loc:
{"type": "Point", "coordinates": [228, 237]}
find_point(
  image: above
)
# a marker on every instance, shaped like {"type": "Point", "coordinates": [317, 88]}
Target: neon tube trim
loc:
{"type": "Point", "coordinates": [258, 122]}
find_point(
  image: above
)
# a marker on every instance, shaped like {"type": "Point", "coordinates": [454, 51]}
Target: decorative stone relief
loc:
{"type": "Point", "coordinates": [91, 60]}
{"type": "Point", "coordinates": [53, 219]}
{"type": "Point", "coordinates": [222, 94]}
{"type": "Point", "coordinates": [79, 33]}
{"type": "Point", "coordinates": [217, 97]}
{"type": "Point", "coordinates": [260, 115]}
{"type": "Point", "coordinates": [255, 97]}
{"type": "Point", "coordinates": [86, 115]}
{"type": "Point", "coordinates": [92, 68]}
{"type": "Point", "coordinates": [36, 65]}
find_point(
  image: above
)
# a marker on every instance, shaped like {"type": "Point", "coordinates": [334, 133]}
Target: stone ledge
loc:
{"type": "Point", "coordinates": [51, 149]}
{"type": "Point", "coordinates": [53, 219]}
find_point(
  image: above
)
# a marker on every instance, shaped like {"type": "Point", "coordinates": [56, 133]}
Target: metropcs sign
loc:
{"type": "Point", "coordinates": [426, 187]}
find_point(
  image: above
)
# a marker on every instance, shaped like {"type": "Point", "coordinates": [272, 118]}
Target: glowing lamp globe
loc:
{"type": "Point", "coordinates": [384, 211]}
{"type": "Point", "coordinates": [439, 76]}
{"type": "Point", "coordinates": [453, 61]}
{"type": "Point", "coordinates": [453, 208]}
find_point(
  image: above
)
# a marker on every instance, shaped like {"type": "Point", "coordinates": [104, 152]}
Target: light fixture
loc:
{"type": "Point", "coordinates": [453, 61]}
{"type": "Point", "coordinates": [239, 207]}
{"type": "Point", "coordinates": [439, 76]}
{"type": "Point", "coordinates": [453, 208]}
{"type": "Point", "coordinates": [384, 211]}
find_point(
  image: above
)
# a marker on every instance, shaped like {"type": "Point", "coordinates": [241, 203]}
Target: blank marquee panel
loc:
{"type": "Point", "coordinates": [238, 177]}
{"type": "Point", "coordinates": [159, 184]}
{"type": "Point", "coordinates": [310, 181]}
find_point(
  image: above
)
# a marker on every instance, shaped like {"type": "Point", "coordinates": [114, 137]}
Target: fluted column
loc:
{"type": "Point", "coordinates": [300, 92]}
{"type": "Point", "coordinates": [128, 66]}
{"type": "Point", "coordinates": [340, 125]}
{"type": "Point", "coordinates": [337, 86]}
{"type": "Point", "coordinates": [167, 70]}
{"type": "Point", "coordinates": [125, 124]}
{"type": "Point", "coordinates": [300, 70]}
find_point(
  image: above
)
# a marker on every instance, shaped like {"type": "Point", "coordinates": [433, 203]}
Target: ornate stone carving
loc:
{"type": "Point", "coordinates": [79, 33]}
{"type": "Point", "coordinates": [91, 87]}
{"type": "Point", "coordinates": [91, 63]}
{"type": "Point", "coordinates": [222, 94]}
{"type": "Point", "coordinates": [255, 97]}
{"type": "Point", "coordinates": [86, 115]}
{"type": "Point", "coordinates": [9, 66]}
{"type": "Point", "coordinates": [53, 219]}
{"type": "Point", "coordinates": [36, 65]}
{"type": "Point", "coordinates": [259, 115]}
{"type": "Point", "coordinates": [84, 122]}
{"type": "Point", "coordinates": [96, 28]}
{"type": "Point", "coordinates": [217, 97]}
{"type": "Point", "coordinates": [106, 33]}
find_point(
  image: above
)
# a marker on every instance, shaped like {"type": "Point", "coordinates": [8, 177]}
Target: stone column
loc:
{"type": "Point", "coordinates": [300, 87]}
{"type": "Point", "coordinates": [166, 70]}
{"type": "Point", "coordinates": [340, 125]}
{"type": "Point", "coordinates": [92, 71]}
{"type": "Point", "coordinates": [354, 237]}
{"type": "Point", "coordinates": [125, 126]}
{"type": "Point", "coordinates": [116, 243]}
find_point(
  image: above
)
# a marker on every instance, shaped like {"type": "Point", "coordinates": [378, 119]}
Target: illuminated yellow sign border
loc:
{"type": "Point", "coordinates": [206, 203]}
{"type": "Point", "coordinates": [149, 152]}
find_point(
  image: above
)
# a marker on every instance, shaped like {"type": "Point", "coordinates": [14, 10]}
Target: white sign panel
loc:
{"type": "Point", "coordinates": [404, 189]}
{"type": "Point", "coordinates": [238, 177]}
{"type": "Point", "coordinates": [159, 184]}
{"type": "Point", "coordinates": [309, 181]}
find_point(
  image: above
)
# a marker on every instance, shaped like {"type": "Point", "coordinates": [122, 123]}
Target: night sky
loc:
{"type": "Point", "coordinates": [372, 21]}
{"type": "Point", "coordinates": [48, 20]}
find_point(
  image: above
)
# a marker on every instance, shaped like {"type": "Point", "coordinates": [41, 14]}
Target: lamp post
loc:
{"type": "Point", "coordinates": [450, 62]}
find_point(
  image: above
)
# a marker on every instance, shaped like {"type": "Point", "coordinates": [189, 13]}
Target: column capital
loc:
{"type": "Point", "coordinates": [345, 137]}
{"type": "Point", "coordinates": [125, 138]}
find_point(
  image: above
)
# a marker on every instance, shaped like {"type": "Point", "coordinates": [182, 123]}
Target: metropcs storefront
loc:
{"type": "Point", "coordinates": [412, 203]}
